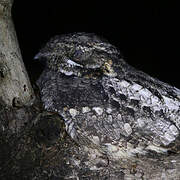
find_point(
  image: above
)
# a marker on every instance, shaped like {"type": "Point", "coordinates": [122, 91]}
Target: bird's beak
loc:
{"type": "Point", "coordinates": [37, 56]}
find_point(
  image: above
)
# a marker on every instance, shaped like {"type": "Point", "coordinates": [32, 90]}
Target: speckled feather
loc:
{"type": "Point", "coordinates": [106, 103]}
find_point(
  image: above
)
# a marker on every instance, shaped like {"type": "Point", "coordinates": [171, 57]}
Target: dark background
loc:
{"type": "Point", "coordinates": [146, 33]}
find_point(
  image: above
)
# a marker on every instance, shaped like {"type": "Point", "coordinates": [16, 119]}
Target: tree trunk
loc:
{"type": "Point", "coordinates": [15, 87]}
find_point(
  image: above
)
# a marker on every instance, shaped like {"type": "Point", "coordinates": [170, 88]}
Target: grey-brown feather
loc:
{"type": "Point", "coordinates": [105, 102]}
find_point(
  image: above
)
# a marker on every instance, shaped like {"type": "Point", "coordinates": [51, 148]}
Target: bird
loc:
{"type": "Point", "coordinates": [105, 103]}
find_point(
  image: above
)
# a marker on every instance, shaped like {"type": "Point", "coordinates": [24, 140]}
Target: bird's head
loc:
{"type": "Point", "coordinates": [78, 54]}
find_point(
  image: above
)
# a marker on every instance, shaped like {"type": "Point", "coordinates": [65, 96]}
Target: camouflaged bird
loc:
{"type": "Point", "coordinates": [106, 103]}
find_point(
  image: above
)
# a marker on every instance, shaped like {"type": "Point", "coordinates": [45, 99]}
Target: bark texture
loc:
{"type": "Point", "coordinates": [43, 151]}
{"type": "Point", "coordinates": [15, 87]}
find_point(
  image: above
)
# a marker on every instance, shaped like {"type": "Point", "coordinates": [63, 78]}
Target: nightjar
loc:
{"type": "Point", "coordinates": [106, 103]}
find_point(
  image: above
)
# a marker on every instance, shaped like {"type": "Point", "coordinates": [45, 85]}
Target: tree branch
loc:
{"type": "Point", "coordinates": [14, 82]}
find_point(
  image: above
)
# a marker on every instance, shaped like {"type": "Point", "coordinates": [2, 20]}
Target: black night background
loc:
{"type": "Point", "coordinates": [146, 33]}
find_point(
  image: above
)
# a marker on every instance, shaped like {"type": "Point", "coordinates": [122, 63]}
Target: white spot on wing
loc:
{"type": "Point", "coordinates": [98, 110]}
{"type": "Point", "coordinates": [109, 110]}
{"type": "Point", "coordinates": [136, 87]}
{"type": "Point", "coordinates": [85, 109]}
{"type": "Point", "coordinates": [174, 130]}
{"type": "Point", "coordinates": [168, 138]}
{"type": "Point", "coordinates": [154, 100]}
{"type": "Point", "coordinates": [124, 83]}
{"type": "Point", "coordinates": [171, 104]}
{"type": "Point", "coordinates": [141, 122]}
{"type": "Point", "coordinates": [73, 112]}
{"type": "Point", "coordinates": [127, 129]}
{"type": "Point", "coordinates": [145, 92]}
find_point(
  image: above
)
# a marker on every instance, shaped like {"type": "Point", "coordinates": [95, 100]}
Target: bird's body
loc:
{"type": "Point", "coordinates": [105, 103]}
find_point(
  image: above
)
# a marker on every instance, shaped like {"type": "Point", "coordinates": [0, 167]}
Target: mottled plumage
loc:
{"type": "Point", "coordinates": [106, 103]}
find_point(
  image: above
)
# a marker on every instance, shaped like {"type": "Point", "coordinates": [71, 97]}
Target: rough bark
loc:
{"type": "Point", "coordinates": [42, 149]}
{"type": "Point", "coordinates": [15, 87]}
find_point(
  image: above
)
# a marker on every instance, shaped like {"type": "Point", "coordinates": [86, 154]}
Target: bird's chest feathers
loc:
{"type": "Point", "coordinates": [80, 92]}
